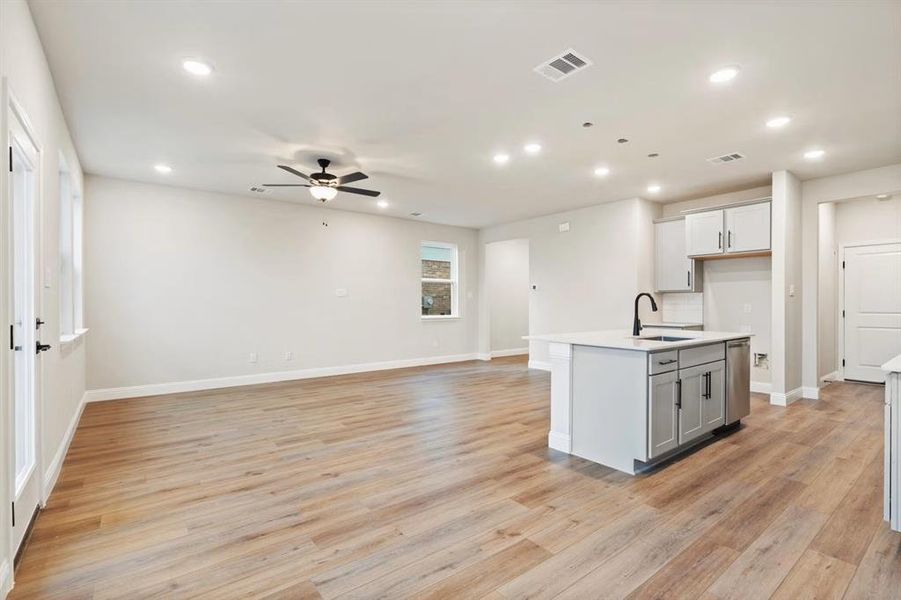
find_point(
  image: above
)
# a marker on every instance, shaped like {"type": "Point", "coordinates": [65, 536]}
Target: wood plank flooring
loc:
{"type": "Point", "coordinates": [437, 482]}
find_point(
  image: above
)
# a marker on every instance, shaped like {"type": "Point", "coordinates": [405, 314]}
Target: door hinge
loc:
{"type": "Point", "coordinates": [843, 314]}
{"type": "Point", "coordinates": [843, 264]}
{"type": "Point", "coordinates": [843, 362]}
{"type": "Point", "coordinates": [14, 513]}
{"type": "Point", "coordinates": [12, 343]}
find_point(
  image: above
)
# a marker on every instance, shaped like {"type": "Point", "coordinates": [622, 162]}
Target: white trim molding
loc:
{"type": "Point", "coordinates": [6, 580]}
{"type": "Point", "coordinates": [56, 465]}
{"type": "Point", "coordinates": [177, 387]}
{"type": "Point", "coordinates": [830, 378]}
{"type": "Point", "coordinates": [780, 399]}
{"type": "Point", "coordinates": [811, 393]}
{"type": "Point", "coordinates": [540, 365]}
{"type": "Point", "coordinates": [761, 387]}
{"type": "Point", "coordinates": [510, 352]}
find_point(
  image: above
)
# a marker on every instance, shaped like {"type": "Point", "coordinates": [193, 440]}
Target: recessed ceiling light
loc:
{"type": "Point", "coordinates": [723, 75]}
{"type": "Point", "coordinates": [882, 196]}
{"type": "Point", "coordinates": [501, 159]}
{"type": "Point", "coordinates": [653, 188]}
{"type": "Point", "coordinates": [777, 122]}
{"type": "Point", "coordinates": [196, 67]}
{"type": "Point", "coordinates": [602, 171]}
{"type": "Point", "coordinates": [162, 168]}
{"type": "Point", "coordinates": [814, 154]}
{"type": "Point", "coordinates": [382, 203]}
{"type": "Point", "coordinates": [532, 148]}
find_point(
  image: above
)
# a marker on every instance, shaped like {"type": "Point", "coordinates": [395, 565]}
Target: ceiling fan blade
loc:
{"type": "Point", "coordinates": [352, 190]}
{"type": "Point", "coordinates": [351, 178]}
{"type": "Point", "coordinates": [294, 172]}
{"type": "Point", "coordinates": [286, 185]}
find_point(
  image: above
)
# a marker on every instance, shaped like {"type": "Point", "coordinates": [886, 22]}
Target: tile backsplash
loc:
{"type": "Point", "coordinates": [683, 308]}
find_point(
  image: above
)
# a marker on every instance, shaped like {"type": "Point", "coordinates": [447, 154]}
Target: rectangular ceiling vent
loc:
{"type": "Point", "coordinates": [560, 67]}
{"type": "Point", "coordinates": [260, 189]}
{"type": "Point", "coordinates": [726, 158]}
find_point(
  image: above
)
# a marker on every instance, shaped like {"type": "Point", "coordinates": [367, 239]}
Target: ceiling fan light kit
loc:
{"type": "Point", "coordinates": [325, 186]}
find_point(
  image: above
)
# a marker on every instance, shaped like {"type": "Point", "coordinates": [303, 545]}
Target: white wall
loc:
{"type": "Point", "coordinates": [24, 67]}
{"type": "Point", "coordinates": [785, 358]}
{"type": "Point", "coordinates": [183, 285]}
{"type": "Point", "coordinates": [827, 299]}
{"type": "Point", "coordinates": [507, 291]}
{"type": "Point", "coordinates": [586, 278]}
{"type": "Point", "coordinates": [868, 220]}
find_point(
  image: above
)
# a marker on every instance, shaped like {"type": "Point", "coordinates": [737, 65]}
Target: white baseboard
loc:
{"type": "Point", "coordinates": [761, 387]}
{"type": "Point", "coordinates": [811, 393]}
{"type": "Point", "coordinates": [540, 365]}
{"type": "Point", "coordinates": [559, 441]}
{"type": "Point", "coordinates": [6, 579]}
{"type": "Point", "coordinates": [177, 387]}
{"type": "Point", "coordinates": [56, 465]}
{"type": "Point", "coordinates": [780, 399]}
{"type": "Point", "coordinates": [483, 356]}
{"type": "Point", "coordinates": [510, 352]}
{"type": "Point", "coordinates": [830, 377]}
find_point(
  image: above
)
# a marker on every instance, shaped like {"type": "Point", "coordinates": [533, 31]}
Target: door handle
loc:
{"type": "Point", "coordinates": [39, 347]}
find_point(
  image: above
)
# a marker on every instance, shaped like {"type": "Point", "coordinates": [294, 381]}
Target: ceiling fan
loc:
{"type": "Point", "coordinates": [325, 186]}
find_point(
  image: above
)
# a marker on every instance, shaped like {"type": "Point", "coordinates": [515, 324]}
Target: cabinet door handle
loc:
{"type": "Point", "coordinates": [719, 243]}
{"type": "Point", "coordinates": [679, 394]}
{"type": "Point", "coordinates": [689, 278]}
{"type": "Point", "coordinates": [729, 239]}
{"type": "Point", "coordinates": [667, 362]}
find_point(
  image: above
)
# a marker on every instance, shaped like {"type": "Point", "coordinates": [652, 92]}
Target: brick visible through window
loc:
{"type": "Point", "coordinates": [439, 279]}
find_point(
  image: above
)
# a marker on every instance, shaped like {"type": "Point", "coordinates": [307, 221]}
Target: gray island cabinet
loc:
{"type": "Point", "coordinates": [628, 402]}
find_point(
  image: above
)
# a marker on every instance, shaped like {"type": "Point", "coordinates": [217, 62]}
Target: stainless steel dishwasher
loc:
{"type": "Point", "coordinates": [738, 380]}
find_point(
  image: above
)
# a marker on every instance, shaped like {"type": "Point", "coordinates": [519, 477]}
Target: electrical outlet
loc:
{"type": "Point", "coordinates": [253, 357]}
{"type": "Point", "coordinates": [289, 355]}
{"type": "Point", "coordinates": [747, 308]}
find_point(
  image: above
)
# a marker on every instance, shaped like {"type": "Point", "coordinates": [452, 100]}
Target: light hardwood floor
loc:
{"type": "Point", "coordinates": [437, 482]}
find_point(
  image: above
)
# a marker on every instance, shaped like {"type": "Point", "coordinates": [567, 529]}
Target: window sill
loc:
{"type": "Point", "coordinates": [71, 338]}
{"type": "Point", "coordinates": [440, 317]}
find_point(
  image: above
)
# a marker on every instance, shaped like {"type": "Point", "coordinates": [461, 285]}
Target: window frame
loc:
{"type": "Point", "coordinates": [454, 280]}
{"type": "Point", "coordinates": [70, 253]}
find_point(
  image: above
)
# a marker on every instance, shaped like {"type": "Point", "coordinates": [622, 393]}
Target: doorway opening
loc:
{"type": "Point", "coordinates": [507, 282]}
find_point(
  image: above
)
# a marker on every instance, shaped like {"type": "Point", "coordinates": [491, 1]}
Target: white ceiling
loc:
{"type": "Point", "coordinates": [420, 95]}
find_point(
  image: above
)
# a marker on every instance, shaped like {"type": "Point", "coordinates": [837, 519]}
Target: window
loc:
{"type": "Point", "coordinates": [439, 280]}
{"type": "Point", "coordinates": [70, 276]}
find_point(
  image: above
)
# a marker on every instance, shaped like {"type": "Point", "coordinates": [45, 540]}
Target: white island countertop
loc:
{"type": "Point", "coordinates": [893, 365]}
{"type": "Point", "coordinates": [624, 340]}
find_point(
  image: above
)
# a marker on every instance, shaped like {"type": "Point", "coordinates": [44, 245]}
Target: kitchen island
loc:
{"type": "Point", "coordinates": [629, 402]}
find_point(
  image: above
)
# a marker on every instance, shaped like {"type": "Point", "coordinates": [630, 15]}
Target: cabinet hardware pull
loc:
{"type": "Point", "coordinates": [689, 278]}
{"type": "Point", "coordinates": [729, 242]}
{"type": "Point", "coordinates": [666, 362]}
{"type": "Point", "coordinates": [679, 394]}
{"type": "Point", "coordinates": [719, 243]}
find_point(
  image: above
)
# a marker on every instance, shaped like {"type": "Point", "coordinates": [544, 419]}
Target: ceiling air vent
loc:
{"type": "Point", "coordinates": [260, 189]}
{"type": "Point", "coordinates": [726, 158]}
{"type": "Point", "coordinates": [561, 67]}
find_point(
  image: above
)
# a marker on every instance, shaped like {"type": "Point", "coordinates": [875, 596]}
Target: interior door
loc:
{"type": "Point", "coordinates": [23, 196]}
{"type": "Point", "coordinates": [748, 228]}
{"type": "Point", "coordinates": [872, 305]}
{"type": "Point", "coordinates": [672, 263]}
{"type": "Point", "coordinates": [663, 433]}
{"type": "Point", "coordinates": [704, 233]}
{"type": "Point", "coordinates": [691, 420]}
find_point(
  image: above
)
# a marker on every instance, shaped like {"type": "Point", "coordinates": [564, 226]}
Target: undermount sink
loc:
{"type": "Point", "coordinates": [665, 338]}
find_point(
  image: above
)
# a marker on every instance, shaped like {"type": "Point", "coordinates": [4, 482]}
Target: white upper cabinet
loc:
{"type": "Point", "coordinates": [748, 228]}
{"type": "Point", "coordinates": [674, 271]}
{"type": "Point", "coordinates": [704, 233]}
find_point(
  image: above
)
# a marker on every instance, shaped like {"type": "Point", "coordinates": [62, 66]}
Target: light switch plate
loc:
{"type": "Point", "coordinates": [341, 292]}
{"type": "Point", "coordinates": [563, 227]}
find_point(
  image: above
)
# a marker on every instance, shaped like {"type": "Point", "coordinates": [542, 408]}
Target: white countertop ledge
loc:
{"type": "Point", "coordinates": [622, 338]}
{"type": "Point", "coordinates": [893, 365]}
